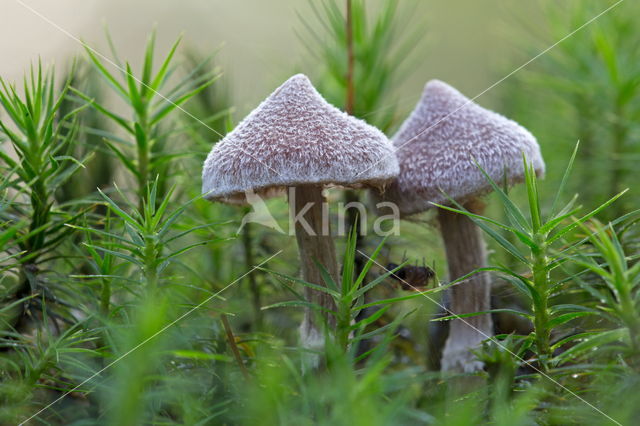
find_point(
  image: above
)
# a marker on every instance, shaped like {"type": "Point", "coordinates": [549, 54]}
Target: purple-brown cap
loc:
{"type": "Point", "coordinates": [440, 143]}
{"type": "Point", "coordinates": [295, 137]}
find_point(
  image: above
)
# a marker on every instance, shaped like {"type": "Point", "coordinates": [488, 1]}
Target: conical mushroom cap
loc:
{"type": "Point", "coordinates": [437, 145]}
{"type": "Point", "coordinates": [295, 137]}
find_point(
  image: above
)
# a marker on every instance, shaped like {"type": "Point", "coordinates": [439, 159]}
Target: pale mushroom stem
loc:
{"type": "Point", "coordinates": [466, 251]}
{"type": "Point", "coordinates": [314, 244]}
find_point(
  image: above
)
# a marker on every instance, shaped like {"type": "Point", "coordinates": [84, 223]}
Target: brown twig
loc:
{"type": "Point", "coordinates": [351, 196]}
{"type": "Point", "coordinates": [234, 347]}
{"type": "Point", "coordinates": [350, 62]}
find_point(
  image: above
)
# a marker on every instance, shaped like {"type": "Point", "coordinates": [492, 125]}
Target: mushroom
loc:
{"type": "Point", "coordinates": [295, 139]}
{"type": "Point", "coordinates": [439, 148]}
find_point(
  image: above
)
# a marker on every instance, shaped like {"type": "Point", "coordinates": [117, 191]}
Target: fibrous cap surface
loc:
{"type": "Point", "coordinates": [440, 143]}
{"type": "Point", "coordinates": [295, 137]}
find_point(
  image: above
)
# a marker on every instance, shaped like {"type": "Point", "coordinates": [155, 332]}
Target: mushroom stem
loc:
{"type": "Point", "coordinates": [466, 251]}
{"type": "Point", "coordinates": [315, 244]}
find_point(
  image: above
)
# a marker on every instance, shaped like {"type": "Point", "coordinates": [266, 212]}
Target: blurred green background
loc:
{"type": "Point", "coordinates": [584, 89]}
{"type": "Point", "coordinates": [467, 42]}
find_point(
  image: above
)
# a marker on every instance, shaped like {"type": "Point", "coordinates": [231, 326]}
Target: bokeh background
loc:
{"type": "Point", "coordinates": [467, 43]}
{"type": "Point", "coordinates": [585, 89]}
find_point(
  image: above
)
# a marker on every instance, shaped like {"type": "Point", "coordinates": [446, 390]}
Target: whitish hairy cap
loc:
{"type": "Point", "coordinates": [437, 145]}
{"type": "Point", "coordinates": [295, 137]}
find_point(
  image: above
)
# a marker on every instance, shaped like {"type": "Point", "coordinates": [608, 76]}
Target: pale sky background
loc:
{"type": "Point", "coordinates": [469, 43]}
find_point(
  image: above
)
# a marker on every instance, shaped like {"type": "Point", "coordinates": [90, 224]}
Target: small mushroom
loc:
{"type": "Point", "coordinates": [295, 139]}
{"type": "Point", "coordinates": [440, 147]}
